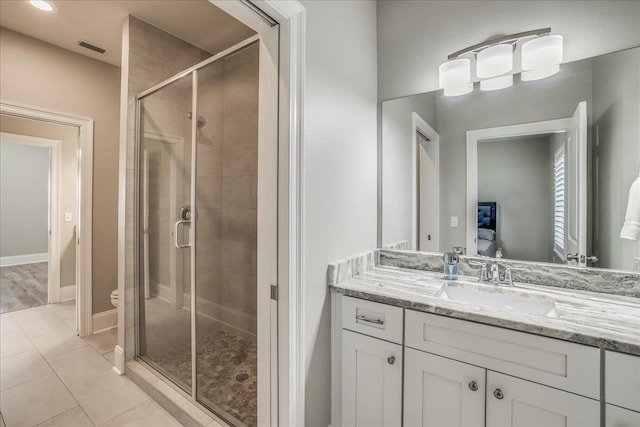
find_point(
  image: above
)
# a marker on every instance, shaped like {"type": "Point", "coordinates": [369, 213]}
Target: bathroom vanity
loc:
{"type": "Point", "coordinates": [410, 348]}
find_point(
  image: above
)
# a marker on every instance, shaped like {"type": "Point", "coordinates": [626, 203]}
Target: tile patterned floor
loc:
{"type": "Point", "coordinates": [50, 377]}
{"type": "Point", "coordinates": [23, 286]}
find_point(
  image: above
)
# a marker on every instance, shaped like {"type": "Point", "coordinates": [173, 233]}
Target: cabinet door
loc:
{"type": "Point", "coordinates": [440, 392]}
{"type": "Point", "coordinates": [512, 402]}
{"type": "Point", "coordinates": [619, 417]}
{"type": "Point", "coordinates": [371, 381]}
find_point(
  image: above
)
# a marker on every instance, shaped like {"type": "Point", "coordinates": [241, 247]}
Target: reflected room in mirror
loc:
{"type": "Point", "coordinates": [541, 171]}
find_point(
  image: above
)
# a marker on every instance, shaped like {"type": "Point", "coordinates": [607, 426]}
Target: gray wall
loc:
{"type": "Point", "coordinates": [516, 173]}
{"type": "Point", "coordinates": [616, 120]}
{"type": "Point", "coordinates": [77, 85]}
{"type": "Point", "coordinates": [68, 137]}
{"type": "Point", "coordinates": [414, 37]}
{"type": "Point", "coordinates": [340, 176]}
{"type": "Point", "coordinates": [24, 204]}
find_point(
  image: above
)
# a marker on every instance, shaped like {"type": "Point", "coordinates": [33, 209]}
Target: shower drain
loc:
{"type": "Point", "coordinates": [242, 377]}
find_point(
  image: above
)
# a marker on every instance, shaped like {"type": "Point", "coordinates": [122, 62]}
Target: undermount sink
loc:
{"type": "Point", "coordinates": [500, 299]}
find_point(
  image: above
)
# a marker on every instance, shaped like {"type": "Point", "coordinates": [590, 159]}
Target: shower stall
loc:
{"type": "Point", "coordinates": [196, 219]}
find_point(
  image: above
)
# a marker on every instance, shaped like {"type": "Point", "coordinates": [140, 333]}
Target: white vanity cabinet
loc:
{"type": "Point", "coordinates": [442, 392]}
{"type": "Point", "coordinates": [400, 367]}
{"type": "Point", "coordinates": [370, 363]}
{"type": "Point", "coordinates": [622, 390]}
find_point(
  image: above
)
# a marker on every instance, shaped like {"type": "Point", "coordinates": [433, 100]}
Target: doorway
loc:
{"type": "Point", "coordinates": [69, 199]}
{"type": "Point", "coordinates": [27, 172]}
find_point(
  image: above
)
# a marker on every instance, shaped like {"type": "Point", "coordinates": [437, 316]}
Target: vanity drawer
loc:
{"type": "Point", "coordinates": [567, 366]}
{"type": "Point", "coordinates": [371, 318]}
{"type": "Point", "coordinates": [622, 380]}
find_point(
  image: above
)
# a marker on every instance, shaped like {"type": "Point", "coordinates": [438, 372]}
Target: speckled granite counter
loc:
{"type": "Point", "coordinates": [608, 321]}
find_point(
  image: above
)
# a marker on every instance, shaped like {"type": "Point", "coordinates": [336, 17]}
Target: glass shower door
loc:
{"type": "Point", "coordinates": [165, 143]}
{"type": "Point", "coordinates": [226, 236]}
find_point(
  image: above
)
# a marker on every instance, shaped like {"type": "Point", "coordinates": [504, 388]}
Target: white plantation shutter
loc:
{"type": "Point", "coordinates": [559, 232]}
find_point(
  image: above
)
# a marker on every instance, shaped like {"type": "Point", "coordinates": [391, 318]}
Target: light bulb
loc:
{"type": "Point", "coordinates": [497, 83]}
{"type": "Point", "coordinates": [494, 61]}
{"type": "Point", "coordinates": [542, 52]}
{"type": "Point", "coordinates": [458, 90]}
{"type": "Point", "coordinates": [42, 5]}
{"type": "Point", "coordinates": [454, 73]}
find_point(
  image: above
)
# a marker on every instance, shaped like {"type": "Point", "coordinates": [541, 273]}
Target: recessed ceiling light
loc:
{"type": "Point", "coordinates": [42, 5]}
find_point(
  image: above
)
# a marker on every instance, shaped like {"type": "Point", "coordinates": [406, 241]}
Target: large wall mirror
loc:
{"type": "Point", "coordinates": [540, 171]}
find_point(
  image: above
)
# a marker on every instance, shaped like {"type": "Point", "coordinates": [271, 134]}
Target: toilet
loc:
{"type": "Point", "coordinates": [114, 298]}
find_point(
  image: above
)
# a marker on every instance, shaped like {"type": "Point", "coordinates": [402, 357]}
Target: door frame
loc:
{"type": "Point", "coordinates": [53, 209]}
{"type": "Point", "coordinates": [419, 125]}
{"type": "Point", "coordinates": [85, 202]}
{"type": "Point", "coordinates": [477, 136]}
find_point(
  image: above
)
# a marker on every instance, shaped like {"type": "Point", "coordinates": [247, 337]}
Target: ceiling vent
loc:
{"type": "Point", "coordinates": [91, 47]}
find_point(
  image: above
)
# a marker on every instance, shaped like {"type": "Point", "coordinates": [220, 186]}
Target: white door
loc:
{"type": "Point", "coordinates": [620, 417]}
{"type": "Point", "coordinates": [512, 402]}
{"type": "Point", "coordinates": [576, 186]}
{"type": "Point", "coordinates": [371, 381]}
{"type": "Point", "coordinates": [428, 227]}
{"type": "Point", "coordinates": [441, 392]}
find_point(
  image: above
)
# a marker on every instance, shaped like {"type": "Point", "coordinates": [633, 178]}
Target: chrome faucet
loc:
{"type": "Point", "coordinates": [494, 278]}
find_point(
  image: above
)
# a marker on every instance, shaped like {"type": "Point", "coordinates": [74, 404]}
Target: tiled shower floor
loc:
{"type": "Point", "coordinates": [227, 362]}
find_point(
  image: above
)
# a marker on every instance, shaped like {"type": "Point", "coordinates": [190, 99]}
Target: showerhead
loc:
{"type": "Point", "coordinates": [201, 120]}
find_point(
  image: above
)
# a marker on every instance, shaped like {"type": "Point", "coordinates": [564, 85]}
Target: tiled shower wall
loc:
{"type": "Point", "coordinates": [154, 56]}
{"type": "Point", "coordinates": [227, 179]}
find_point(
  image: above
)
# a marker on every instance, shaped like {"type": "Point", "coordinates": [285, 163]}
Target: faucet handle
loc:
{"type": "Point", "coordinates": [484, 275]}
{"type": "Point", "coordinates": [508, 278]}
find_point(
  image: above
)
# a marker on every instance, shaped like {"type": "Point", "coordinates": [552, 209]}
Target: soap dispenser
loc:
{"type": "Point", "coordinates": [451, 266]}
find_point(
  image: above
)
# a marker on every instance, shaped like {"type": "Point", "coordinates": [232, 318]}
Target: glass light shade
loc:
{"type": "Point", "coordinates": [542, 52]}
{"type": "Point", "coordinates": [497, 83]}
{"type": "Point", "coordinates": [42, 5]}
{"type": "Point", "coordinates": [455, 73]}
{"type": "Point", "coordinates": [539, 73]}
{"type": "Point", "coordinates": [458, 90]}
{"type": "Point", "coordinates": [494, 61]}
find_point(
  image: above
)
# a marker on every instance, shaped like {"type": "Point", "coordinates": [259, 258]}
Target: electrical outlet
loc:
{"type": "Point", "coordinates": [68, 217]}
{"type": "Point", "coordinates": [454, 221]}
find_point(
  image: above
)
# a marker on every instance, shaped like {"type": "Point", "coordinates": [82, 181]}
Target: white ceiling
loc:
{"type": "Point", "coordinates": [99, 22]}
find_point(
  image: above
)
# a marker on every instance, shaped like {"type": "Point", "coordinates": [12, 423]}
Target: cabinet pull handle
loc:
{"type": "Point", "coordinates": [498, 394]}
{"type": "Point", "coordinates": [366, 319]}
{"type": "Point", "coordinates": [473, 386]}
{"type": "Point", "coordinates": [391, 360]}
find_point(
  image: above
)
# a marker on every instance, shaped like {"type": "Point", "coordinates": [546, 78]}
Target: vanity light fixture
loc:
{"type": "Point", "coordinates": [541, 58]}
{"type": "Point", "coordinates": [42, 5]}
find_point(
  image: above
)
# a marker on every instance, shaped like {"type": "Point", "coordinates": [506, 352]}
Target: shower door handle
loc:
{"type": "Point", "coordinates": [175, 233]}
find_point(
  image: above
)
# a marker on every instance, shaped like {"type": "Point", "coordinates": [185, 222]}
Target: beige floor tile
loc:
{"type": "Point", "coordinates": [57, 342]}
{"type": "Point", "coordinates": [72, 418]}
{"type": "Point", "coordinates": [8, 325]}
{"type": "Point", "coordinates": [104, 342]}
{"type": "Point", "coordinates": [38, 321]}
{"type": "Point", "coordinates": [23, 367]}
{"type": "Point", "coordinates": [147, 414]}
{"type": "Point", "coordinates": [79, 364]}
{"type": "Point", "coordinates": [36, 401]}
{"type": "Point", "coordinates": [106, 395]}
{"type": "Point", "coordinates": [110, 357]}
{"type": "Point", "coordinates": [14, 343]}
{"type": "Point", "coordinates": [64, 310]}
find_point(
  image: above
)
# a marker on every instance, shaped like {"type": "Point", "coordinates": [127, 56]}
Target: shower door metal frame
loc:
{"type": "Point", "coordinates": [138, 271]}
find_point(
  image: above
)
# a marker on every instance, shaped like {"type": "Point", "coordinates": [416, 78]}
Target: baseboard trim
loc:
{"type": "Point", "coordinates": [67, 293]}
{"type": "Point", "coordinates": [7, 261]}
{"type": "Point", "coordinates": [104, 321]}
{"type": "Point", "coordinates": [118, 358]}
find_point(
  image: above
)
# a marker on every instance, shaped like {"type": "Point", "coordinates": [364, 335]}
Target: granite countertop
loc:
{"type": "Point", "coordinates": [602, 320]}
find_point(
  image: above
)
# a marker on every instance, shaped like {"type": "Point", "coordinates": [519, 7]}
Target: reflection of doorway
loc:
{"type": "Point", "coordinates": [28, 192]}
{"type": "Point", "coordinates": [426, 215]}
{"type": "Point", "coordinates": [573, 236]}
